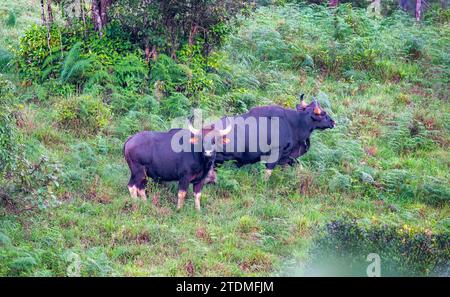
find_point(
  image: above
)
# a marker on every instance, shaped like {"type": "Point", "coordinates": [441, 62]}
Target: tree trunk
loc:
{"type": "Point", "coordinates": [83, 12]}
{"type": "Point", "coordinates": [44, 21]}
{"type": "Point", "coordinates": [100, 14]}
{"type": "Point", "coordinates": [192, 33]}
{"type": "Point", "coordinates": [333, 3]}
{"type": "Point", "coordinates": [418, 10]}
{"type": "Point", "coordinates": [49, 12]}
{"type": "Point", "coordinates": [154, 53]}
{"type": "Point", "coordinates": [375, 7]}
{"type": "Point", "coordinates": [104, 4]}
{"type": "Point", "coordinates": [96, 17]}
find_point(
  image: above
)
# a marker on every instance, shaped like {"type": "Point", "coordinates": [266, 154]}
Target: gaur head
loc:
{"type": "Point", "coordinates": [208, 136]}
{"type": "Point", "coordinates": [315, 115]}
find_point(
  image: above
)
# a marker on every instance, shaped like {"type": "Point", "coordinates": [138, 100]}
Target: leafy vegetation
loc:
{"type": "Point", "coordinates": [378, 182]}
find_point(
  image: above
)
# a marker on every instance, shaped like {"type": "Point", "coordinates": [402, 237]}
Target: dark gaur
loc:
{"type": "Point", "coordinates": [295, 128]}
{"type": "Point", "coordinates": [150, 154]}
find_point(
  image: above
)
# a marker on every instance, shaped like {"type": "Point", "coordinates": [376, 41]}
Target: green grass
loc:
{"type": "Point", "coordinates": [373, 168]}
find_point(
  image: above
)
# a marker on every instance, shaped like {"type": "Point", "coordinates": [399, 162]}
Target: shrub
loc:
{"type": "Point", "coordinates": [414, 48]}
{"type": "Point", "coordinates": [34, 49]}
{"type": "Point", "coordinates": [82, 114]}
{"type": "Point", "coordinates": [176, 105]}
{"type": "Point", "coordinates": [136, 121]}
{"type": "Point", "coordinates": [340, 182]}
{"type": "Point", "coordinates": [30, 184]}
{"type": "Point", "coordinates": [173, 77]}
{"type": "Point", "coordinates": [344, 245]}
{"type": "Point", "coordinates": [438, 14]}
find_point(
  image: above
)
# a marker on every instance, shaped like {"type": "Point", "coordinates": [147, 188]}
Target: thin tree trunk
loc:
{"type": "Point", "coordinates": [83, 12]}
{"type": "Point", "coordinates": [418, 10]}
{"type": "Point", "coordinates": [173, 41]}
{"type": "Point", "coordinates": [44, 21]}
{"type": "Point", "coordinates": [154, 53]}
{"type": "Point", "coordinates": [49, 12]}
{"type": "Point", "coordinates": [150, 54]}
{"type": "Point", "coordinates": [192, 33]}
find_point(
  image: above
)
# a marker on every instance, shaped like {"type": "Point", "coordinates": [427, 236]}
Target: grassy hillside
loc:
{"type": "Point", "coordinates": [378, 182]}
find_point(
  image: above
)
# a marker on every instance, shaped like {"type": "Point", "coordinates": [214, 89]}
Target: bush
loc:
{"type": "Point", "coordinates": [82, 114]}
{"type": "Point", "coordinates": [344, 245]}
{"type": "Point", "coordinates": [171, 76]}
{"type": "Point", "coordinates": [30, 184]}
{"type": "Point", "coordinates": [414, 48]}
{"type": "Point", "coordinates": [34, 49]}
{"type": "Point", "coordinates": [135, 121]}
{"type": "Point", "coordinates": [176, 105]}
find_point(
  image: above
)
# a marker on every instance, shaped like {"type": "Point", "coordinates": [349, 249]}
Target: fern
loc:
{"type": "Point", "coordinates": [5, 59]}
{"type": "Point", "coordinates": [435, 190]}
{"type": "Point", "coordinates": [172, 74]}
{"type": "Point", "coordinates": [11, 20]}
{"type": "Point", "coordinates": [130, 71]}
{"type": "Point", "coordinates": [406, 134]}
{"type": "Point", "coordinates": [51, 64]}
{"type": "Point", "coordinates": [101, 78]}
{"type": "Point", "coordinates": [74, 65]}
{"type": "Point", "coordinates": [399, 182]}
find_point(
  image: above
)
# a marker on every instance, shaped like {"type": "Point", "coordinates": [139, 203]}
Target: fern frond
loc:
{"type": "Point", "coordinates": [5, 58]}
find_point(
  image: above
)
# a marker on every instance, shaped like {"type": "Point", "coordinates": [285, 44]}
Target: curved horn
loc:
{"type": "Point", "coordinates": [303, 103]}
{"type": "Point", "coordinates": [192, 129]}
{"type": "Point", "coordinates": [227, 129]}
{"type": "Point", "coordinates": [317, 109]}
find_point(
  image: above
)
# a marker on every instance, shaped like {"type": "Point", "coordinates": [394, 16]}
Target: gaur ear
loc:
{"type": "Point", "coordinates": [226, 140]}
{"type": "Point", "coordinates": [194, 139]}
